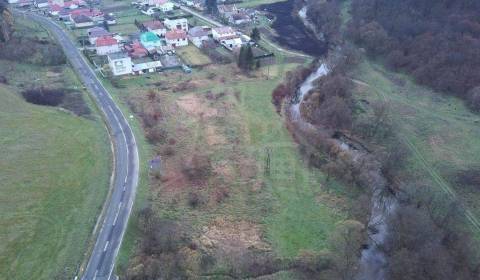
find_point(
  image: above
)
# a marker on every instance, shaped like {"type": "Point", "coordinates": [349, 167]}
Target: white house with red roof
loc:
{"type": "Point", "coordinates": [106, 45]}
{"type": "Point", "coordinates": [176, 38]}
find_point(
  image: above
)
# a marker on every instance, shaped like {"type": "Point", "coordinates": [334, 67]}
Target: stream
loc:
{"type": "Point", "coordinates": [373, 261]}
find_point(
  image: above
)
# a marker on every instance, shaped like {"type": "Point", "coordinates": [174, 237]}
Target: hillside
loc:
{"type": "Point", "coordinates": [54, 171]}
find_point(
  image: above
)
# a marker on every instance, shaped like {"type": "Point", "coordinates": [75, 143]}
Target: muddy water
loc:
{"type": "Point", "coordinates": [291, 31]}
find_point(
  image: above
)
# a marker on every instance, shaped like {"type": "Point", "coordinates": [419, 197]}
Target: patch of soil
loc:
{"type": "Point", "coordinates": [223, 169]}
{"type": "Point", "coordinates": [213, 137]}
{"type": "Point", "coordinates": [196, 107]}
{"type": "Point", "coordinates": [231, 237]}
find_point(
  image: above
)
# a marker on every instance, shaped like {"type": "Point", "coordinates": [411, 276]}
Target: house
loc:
{"type": "Point", "coordinates": [41, 4]}
{"type": "Point", "coordinates": [106, 45]}
{"type": "Point", "coordinates": [120, 63]}
{"type": "Point", "coordinates": [81, 21]}
{"type": "Point", "coordinates": [110, 20]}
{"type": "Point", "coordinates": [231, 43]}
{"type": "Point", "coordinates": [199, 5]}
{"type": "Point", "coordinates": [239, 18]}
{"type": "Point", "coordinates": [55, 9]}
{"type": "Point", "coordinates": [219, 33]}
{"type": "Point", "coordinates": [176, 38]}
{"type": "Point", "coordinates": [136, 50]}
{"type": "Point", "coordinates": [166, 7]}
{"type": "Point", "coordinates": [198, 34]}
{"type": "Point", "coordinates": [94, 14]}
{"type": "Point", "coordinates": [155, 26]}
{"type": "Point", "coordinates": [180, 23]}
{"type": "Point", "coordinates": [13, 1]}
{"type": "Point", "coordinates": [152, 3]}
{"type": "Point", "coordinates": [145, 65]}
{"type": "Point", "coordinates": [148, 11]}
{"type": "Point", "coordinates": [150, 40]}
{"type": "Point", "coordinates": [95, 32]}
{"type": "Point", "coordinates": [226, 11]}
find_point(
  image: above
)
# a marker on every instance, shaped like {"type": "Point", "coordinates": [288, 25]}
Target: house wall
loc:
{"type": "Point", "coordinates": [84, 24]}
{"type": "Point", "coordinates": [177, 42]}
{"type": "Point", "coordinates": [103, 50]}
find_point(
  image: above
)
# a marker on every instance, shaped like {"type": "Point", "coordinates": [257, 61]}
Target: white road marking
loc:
{"type": "Point", "coordinates": [106, 246]}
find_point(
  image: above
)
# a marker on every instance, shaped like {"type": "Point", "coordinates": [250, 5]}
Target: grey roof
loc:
{"type": "Point", "coordinates": [97, 31]}
{"type": "Point", "coordinates": [197, 31]}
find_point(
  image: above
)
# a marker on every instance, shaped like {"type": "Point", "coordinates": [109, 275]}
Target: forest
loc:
{"type": "Point", "coordinates": [436, 41]}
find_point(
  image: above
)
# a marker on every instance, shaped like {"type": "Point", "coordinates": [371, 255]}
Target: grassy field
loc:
{"type": "Point", "coordinates": [54, 173]}
{"type": "Point", "coordinates": [440, 132]}
{"type": "Point", "coordinates": [294, 208]}
{"type": "Point", "coordinates": [54, 177]}
{"type": "Point", "coordinates": [193, 56]}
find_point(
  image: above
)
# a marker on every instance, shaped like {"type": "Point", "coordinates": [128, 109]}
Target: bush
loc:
{"type": "Point", "coordinates": [43, 96]}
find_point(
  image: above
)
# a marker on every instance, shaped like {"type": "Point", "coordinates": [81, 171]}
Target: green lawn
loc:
{"type": "Point", "coordinates": [193, 56]}
{"type": "Point", "coordinates": [439, 131]}
{"type": "Point", "coordinates": [54, 174]}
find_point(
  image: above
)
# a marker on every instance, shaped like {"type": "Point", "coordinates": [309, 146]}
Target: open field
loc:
{"type": "Point", "coordinates": [54, 173]}
{"type": "Point", "coordinates": [54, 177]}
{"type": "Point", "coordinates": [193, 56]}
{"type": "Point", "coordinates": [220, 113]}
{"type": "Point", "coordinates": [440, 132]}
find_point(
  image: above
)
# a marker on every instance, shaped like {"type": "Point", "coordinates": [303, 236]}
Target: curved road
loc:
{"type": "Point", "coordinates": [126, 163]}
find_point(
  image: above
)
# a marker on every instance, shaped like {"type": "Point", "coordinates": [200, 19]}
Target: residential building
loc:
{"type": "Point", "coordinates": [106, 45]}
{"type": "Point", "coordinates": [198, 34]}
{"type": "Point", "coordinates": [166, 7]}
{"type": "Point", "coordinates": [156, 27]}
{"type": "Point", "coordinates": [150, 40]}
{"type": "Point", "coordinates": [81, 21]}
{"type": "Point", "coordinates": [231, 43]}
{"type": "Point", "coordinates": [220, 33]}
{"type": "Point", "coordinates": [180, 23]}
{"type": "Point", "coordinates": [110, 20]}
{"type": "Point", "coordinates": [120, 63]}
{"type": "Point", "coordinates": [136, 50]}
{"type": "Point", "coordinates": [41, 4]}
{"type": "Point", "coordinates": [226, 11]}
{"type": "Point", "coordinates": [239, 18]}
{"type": "Point", "coordinates": [96, 32]}
{"type": "Point", "coordinates": [176, 38]}
{"type": "Point", "coordinates": [145, 65]}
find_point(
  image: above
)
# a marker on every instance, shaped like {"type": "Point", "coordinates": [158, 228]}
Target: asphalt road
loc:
{"type": "Point", "coordinates": [126, 163]}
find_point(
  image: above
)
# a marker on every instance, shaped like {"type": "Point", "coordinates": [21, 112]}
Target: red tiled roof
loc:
{"type": "Point", "coordinates": [175, 34]}
{"type": "Point", "coordinates": [106, 41]}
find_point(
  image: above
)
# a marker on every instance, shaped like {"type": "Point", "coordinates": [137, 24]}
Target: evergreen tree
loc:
{"type": "Point", "coordinates": [246, 60]}
{"type": "Point", "coordinates": [255, 35]}
{"type": "Point", "coordinates": [211, 6]}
